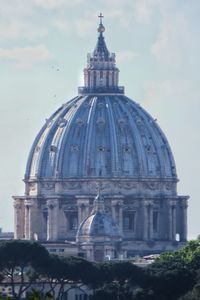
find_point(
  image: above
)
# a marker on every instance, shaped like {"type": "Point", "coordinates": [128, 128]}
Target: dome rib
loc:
{"type": "Point", "coordinates": [45, 167]}
{"type": "Point", "coordinates": [160, 142]}
{"type": "Point", "coordinates": [63, 160]}
{"type": "Point", "coordinates": [38, 150]}
{"type": "Point", "coordinates": [35, 153]}
{"type": "Point", "coordinates": [114, 143]}
{"type": "Point", "coordinates": [125, 141]}
{"type": "Point", "coordinates": [89, 134]}
{"type": "Point", "coordinates": [157, 142]}
{"type": "Point", "coordinates": [137, 138]}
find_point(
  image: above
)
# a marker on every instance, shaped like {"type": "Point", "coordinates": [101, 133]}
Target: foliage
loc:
{"type": "Point", "coordinates": [61, 270]}
{"type": "Point", "coordinates": [20, 261]}
{"type": "Point", "coordinates": [116, 280]}
{"type": "Point", "coordinates": [38, 295]}
{"type": "Point", "coordinates": [112, 291]}
{"type": "Point", "coordinates": [5, 298]}
{"type": "Point", "coordinates": [172, 276]}
{"type": "Point", "coordinates": [175, 273]}
{"type": "Point", "coordinates": [194, 294]}
{"type": "Point", "coordinates": [169, 276]}
{"type": "Point", "coordinates": [142, 294]}
{"type": "Point", "coordinates": [120, 272]}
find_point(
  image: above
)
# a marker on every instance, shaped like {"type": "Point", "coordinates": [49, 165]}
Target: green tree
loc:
{"type": "Point", "coordinates": [35, 294]}
{"type": "Point", "coordinates": [19, 262]}
{"type": "Point", "coordinates": [194, 294]}
{"type": "Point", "coordinates": [142, 294]}
{"type": "Point", "coordinates": [171, 275]}
{"type": "Point", "coordinates": [116, 280]}
{"type": "Point", "coordinates": [62, 270]}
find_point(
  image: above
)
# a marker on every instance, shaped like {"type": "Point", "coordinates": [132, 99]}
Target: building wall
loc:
{"type": "Point", "coordinates": [144, 211]}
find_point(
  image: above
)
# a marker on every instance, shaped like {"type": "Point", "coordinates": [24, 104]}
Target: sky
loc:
{"type": "Point", "coordinates": [43, 50]}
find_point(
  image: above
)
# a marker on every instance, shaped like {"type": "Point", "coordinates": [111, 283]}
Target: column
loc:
{"type": "Point", "coordinates": [30, 219]}
{"type": "Point", "coordinates": [80, 213]}
{"type": "Point", "coordinates": [183, 235]}
{"type": "Point", "coordinates": [26, 229]}
{"type": "Point", "coordinates": [110, 78]}
{"type": "Point", "coordinates": [52, 220]}
{"type": "Point", "coordinates": [117, 213]}
{"type": "Point", "coordinates": [116, 78]}
{"type": "Point", "coordinates": [172, 220]}
{"type": "Point", "coordinates": [83, 208]}
{"type": "Point", "coordinates": [98, 80]}
{"type": "Point", "coordinates": [120, 219]}
{"type": "Point", "coordinates": [114, 213]}
{"type": "Point", "coordinates": [145, 220]}
{"type": "Point", "coordinates": [19, 219]}
{"type": "Point", "coordinates": [151, 234]}
{"type": "Point", "coordinates": [148, 219]}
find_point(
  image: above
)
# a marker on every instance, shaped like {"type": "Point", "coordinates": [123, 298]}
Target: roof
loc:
{"type": "Point", "coordinates": [100, 136]}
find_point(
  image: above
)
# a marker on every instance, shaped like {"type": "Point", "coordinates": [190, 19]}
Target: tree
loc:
{"type": "Point", "coordinates": [116, 280]}
{"type": "Point", "coordinates": [192, 295]}
{"type": "Point", "coordinates": [19, 262]}
{"type": "Point", "coordinates": [62, 270]}
{"type": "Point", "coordinates": [38, 295]}
{"type": "Point", "coordinates": [170, 275]}
{"type": "Point", "coordinates": [142, 294]}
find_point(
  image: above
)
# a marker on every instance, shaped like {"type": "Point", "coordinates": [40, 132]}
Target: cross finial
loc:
{"type": "Point", "coordinates": [101, 17]}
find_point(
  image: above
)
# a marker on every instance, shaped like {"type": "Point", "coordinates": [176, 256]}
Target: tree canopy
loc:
{"type": "Point", "coordinates": [174, 275]}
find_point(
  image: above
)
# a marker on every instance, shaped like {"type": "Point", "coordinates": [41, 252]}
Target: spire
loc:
{"type": "Point", "coordinates": [101, 48]}
{"type": "Point", "coordinates": [98, 205]}
{"type": "Point", "coordinates": [101, 74]}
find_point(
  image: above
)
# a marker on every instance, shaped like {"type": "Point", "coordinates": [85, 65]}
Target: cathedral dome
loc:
{"type": "Point", "coordinates": [100, 136]}
{"type": "Point", "coordinates": [101, 133]}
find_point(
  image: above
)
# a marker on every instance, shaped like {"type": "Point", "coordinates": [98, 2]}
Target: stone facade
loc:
{"type": "Point", "coordinates": [102, 139]}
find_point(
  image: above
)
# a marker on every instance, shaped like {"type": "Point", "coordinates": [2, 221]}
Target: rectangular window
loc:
{"type": "Point", "coordinates": [52, 250]}
{"type": "Point", "coordinates": [73, 222]}
{"type": "Point", "coordinates": [129, 221]}
{"type": "Point", "coordinates": [155, 221]}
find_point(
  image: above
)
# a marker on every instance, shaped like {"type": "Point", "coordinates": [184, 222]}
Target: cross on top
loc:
{"type": "Point", "coordinates": [100, 17]}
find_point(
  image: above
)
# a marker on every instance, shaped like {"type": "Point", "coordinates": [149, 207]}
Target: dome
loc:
{"type": "Point", "coordinates": [101, 138]}
{"type": "Point", "coordinates": [99, 224]}
{"type": "Point", "coordinates": [101, 133]}
{"type": "Point", "coordinates": [97, 136]}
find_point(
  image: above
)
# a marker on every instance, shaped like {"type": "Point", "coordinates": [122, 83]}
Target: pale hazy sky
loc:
{"type": "Point", "coordinates": [43, 48]}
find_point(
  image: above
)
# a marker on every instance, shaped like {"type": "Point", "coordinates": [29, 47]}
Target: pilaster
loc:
{"type": "Point", "coordinates": [52, 219]}
{"type": "Point", "coordinates": [31, 222]}
{"type": "Point", "coordinates": [83, 208]}
{"type": "Point", "coordinates": [172, 220]}
{"type": "Point", "coordinates": [117, 212]}
{"type": "Point", "coordinates": [148, 220]}
{"type": "Point", "coordinates": [183, 234]}
{"type": "Point", "coordinates": [19, 219]}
